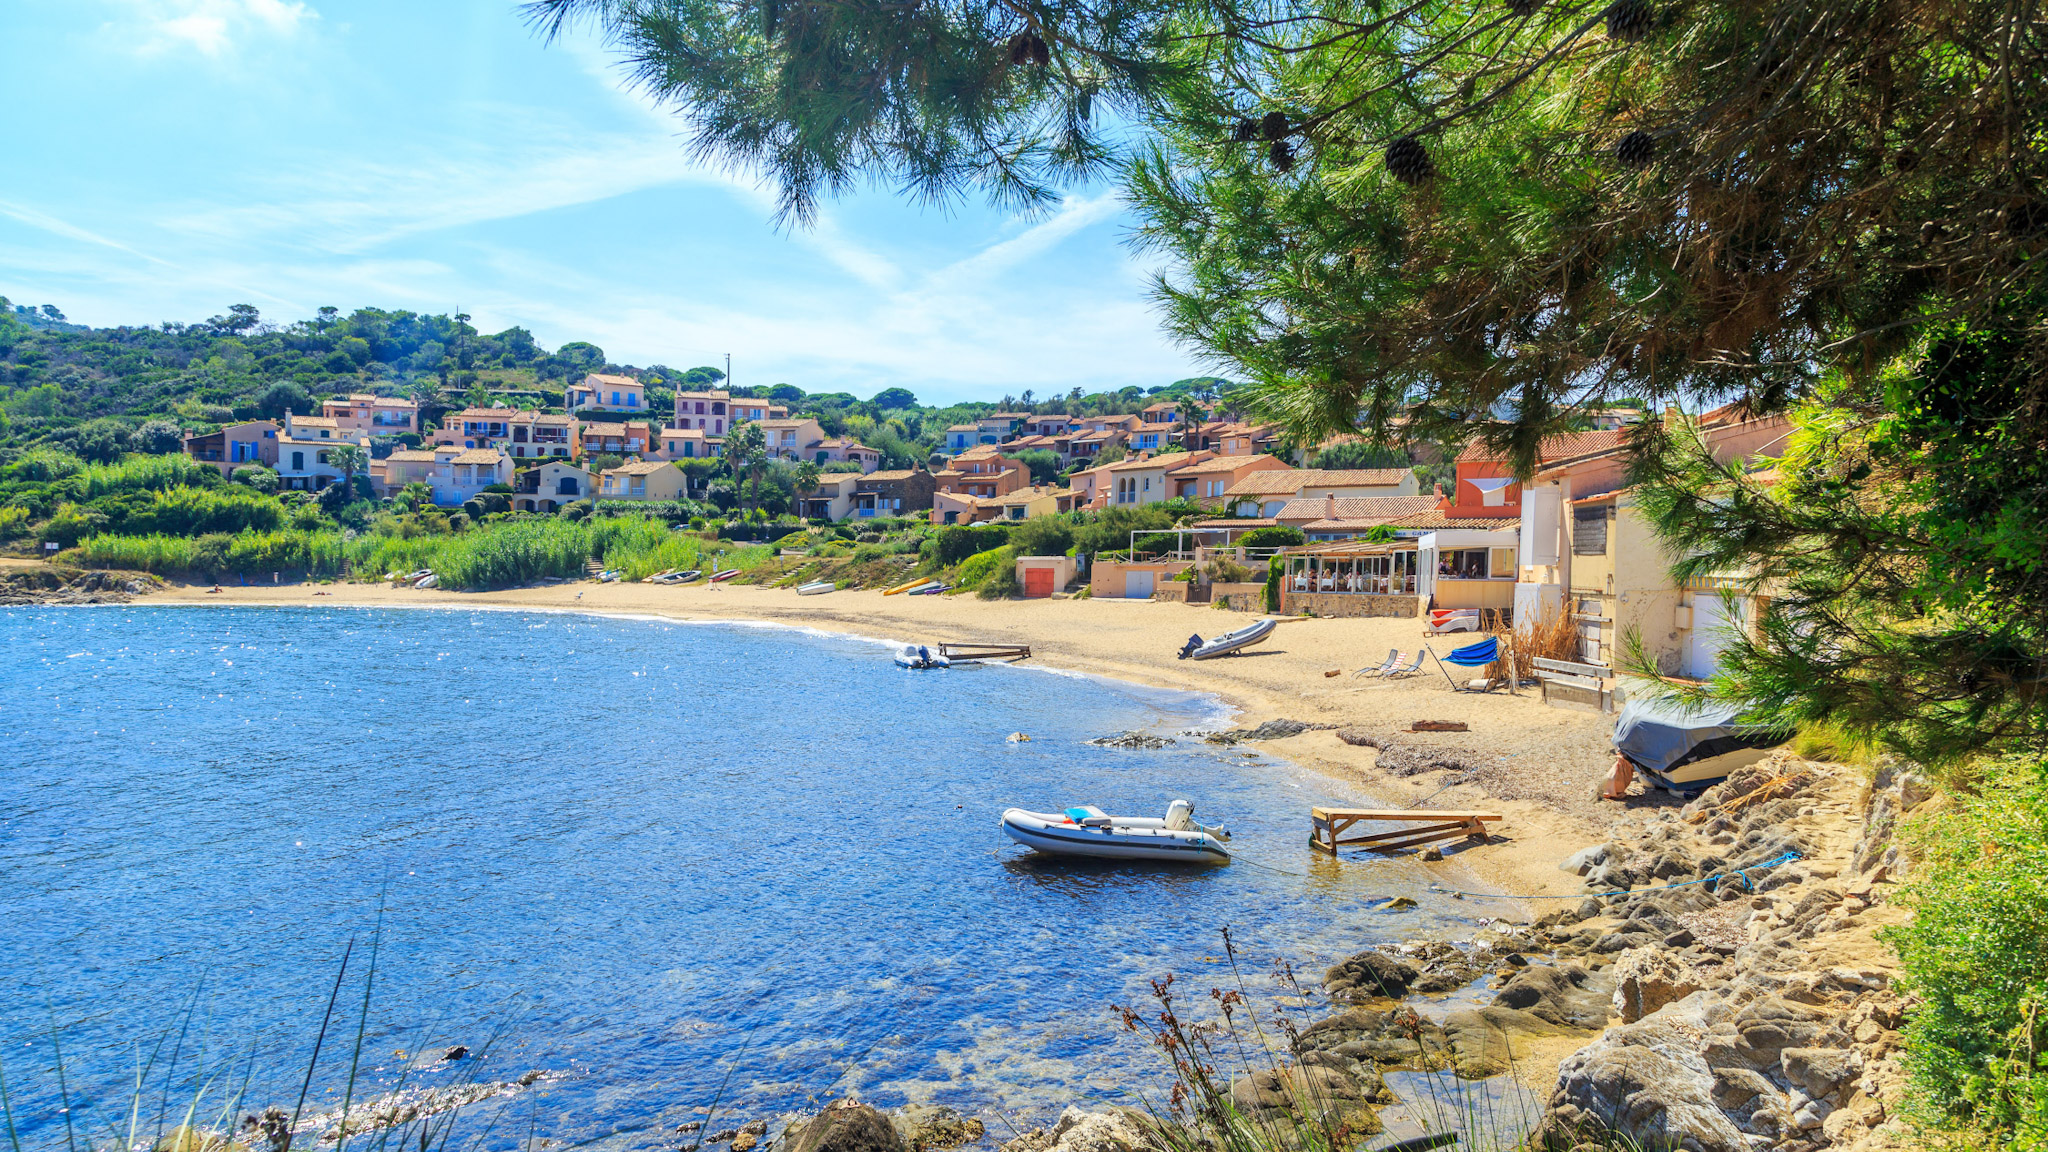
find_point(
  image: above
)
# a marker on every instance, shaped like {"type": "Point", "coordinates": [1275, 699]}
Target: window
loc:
{"type": "Point", "coordinates": [1502, 563]}
{"type": "Point", "coordinates": [298, 461]}
{"type": "Point", "coordinates": [1589, 532]}
{"type": "Point", "coordinates": [1462, 564]}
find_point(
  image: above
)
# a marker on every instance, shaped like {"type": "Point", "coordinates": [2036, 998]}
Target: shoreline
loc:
{"type": "Point", "coordinates": [1547, 758]}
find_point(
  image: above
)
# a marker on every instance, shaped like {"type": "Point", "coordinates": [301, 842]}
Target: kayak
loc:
{"type": "Point", "coordinates": [906, 586]}
{"type": "Point", "coordinates": [728, 574]}
{"type": "Point", "coordinates": [931, 589]}
{"type": "Point", "coordinates": [1086, 831]}
{"type": "Point", "coordinates": [815, 587]}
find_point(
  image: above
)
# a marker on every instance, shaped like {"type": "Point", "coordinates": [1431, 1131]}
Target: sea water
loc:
{"type": "Point", "coordinates": [661, 863]}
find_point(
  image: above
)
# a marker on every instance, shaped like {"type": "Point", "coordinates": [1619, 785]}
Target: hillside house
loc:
{"type": "Point", "coordinates": [606, 393]}
{"type": "Point", "coordinates": [549, 486]}
{"type": "Point", "coordinates": [248, 445]}
{"type": "Point", "coordinates": [642, 480]}
{"type": "Point", "coordinates": [373, 415]}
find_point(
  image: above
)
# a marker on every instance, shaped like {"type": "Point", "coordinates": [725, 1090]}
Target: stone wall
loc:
{"type": "Point", "coordinates": [1350, 604]}
{"type": "Point", "coordinates": [1239, 597]}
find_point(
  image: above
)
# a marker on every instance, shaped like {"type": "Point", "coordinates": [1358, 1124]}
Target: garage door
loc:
{"type": "Point", "coordinates": [1037, 582]}
{"type": "Point", "coordinates": [1138, 585]}
{"type": "Point", "coordinates": [1712, 630]}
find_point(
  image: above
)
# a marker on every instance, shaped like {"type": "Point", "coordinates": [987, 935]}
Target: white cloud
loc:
{"type": "Point", "coordinates": [212, 28]}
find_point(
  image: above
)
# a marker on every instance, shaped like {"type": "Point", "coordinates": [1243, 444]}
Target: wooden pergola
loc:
{"type": "Point", "coordinates": [1385, 567]}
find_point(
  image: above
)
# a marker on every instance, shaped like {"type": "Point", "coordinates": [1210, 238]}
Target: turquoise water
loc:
{"type": "Point", "coordinates": [648, 858]}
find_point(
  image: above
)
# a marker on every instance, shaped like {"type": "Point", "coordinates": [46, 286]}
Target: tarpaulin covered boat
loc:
{"type": "Point", "coordinates": [1684, 749]}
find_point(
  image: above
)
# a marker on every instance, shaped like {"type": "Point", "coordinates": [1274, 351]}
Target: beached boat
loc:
{"type": "Point", "coordinates": [1086, 831]}
{"type": "Point", "coordinates": [906, 586]}
{"type": "Point", "coordinates": [427, 581]}
{"type": "Point", "coordinates": [920, 656]}
{"type": "Point", "coordinates": [1686, 750]}
{"type": "Point", "coordinates": [1199, 649]}
{"type": "Point", "coordinates": [729, 573]}
{"type": "Point", "coordinates": [678, 577]}
{"type": "Point", "coordinates": [931, 589]}
{"type": "Point", "coordinates": [815, 588]}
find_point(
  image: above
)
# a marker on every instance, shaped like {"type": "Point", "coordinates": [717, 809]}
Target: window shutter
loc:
{"type": "Point", "coordinates": [1589, 532]}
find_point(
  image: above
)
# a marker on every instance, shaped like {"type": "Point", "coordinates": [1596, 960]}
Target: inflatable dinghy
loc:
{"type": "Point", "coordinates": [920, 656]}
{"type": "Point", "coordinates": [1088, 832]}
{"type": "Point", "coordinates": [1199, 649]}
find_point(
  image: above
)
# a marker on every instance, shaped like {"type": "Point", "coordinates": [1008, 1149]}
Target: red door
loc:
{"type": "Point", "coordinates": [1037, 583]}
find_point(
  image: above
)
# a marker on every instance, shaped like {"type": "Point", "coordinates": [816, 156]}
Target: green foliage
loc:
{"type": "Point", "coordinates": [258, 477]}
{"type": "Point", "coordinates": [193, 511]}
{"type": "Point", "coordinates": [1043, 536]}
{"type": "Point", "coordinates": [956, 544]}
{"type": "Point", "coordinates": [983, 566]}
{"type": "Point", "coordinates": [1273, 536]}
{"type": "Point", "coordinates": [1975, 955]}
{"type": "Point", "coordinates": [1043, 464]}
{"type": "Point", "coordinates": [1359, 454]}
{"type": "Point", "coordinates": [1110, 530]}
{"type": "Point", "coordinates": [1276, 570]}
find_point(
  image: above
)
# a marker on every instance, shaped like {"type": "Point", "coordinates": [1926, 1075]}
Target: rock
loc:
{"type": "Point", "coordinates": [1563, 995]}
{"type": "Point", "coordinates": [1821, 1073]}
{"type": "Point", "coordinates": [1369, 974]}
{"type": "Point", "coordinates": [459, 1052]}
{"type": "Point", "coordinates": [1323, 1091]}
{"type": "Point", "coordinates": [745, 1142]}
{"type": "Point", "coordinates": [754, 1128]}
{"type": "Point", "coordinates": [1431, 855]}
{"type": "Point", "coordinates": [1131, 740]}
{"type": "Point", "coordinates": [1646, 979]}
{"type": "Point", "coordinates": [1585, 859]}
{"type": "Point", "coordinates": [1270, 730]}
{"type": "Point", "coordinates": [925, 1126]}
{"type": "Point", "coordinates": [722, 1135]}
{"type": "Point", "coordinates": [845, 1126]}
{"type": "Point", "coordinates": [1117, 1130]}
{"type": "Point", "coordinates": [1399, 1038]}
{"type": "Point", "coordinates": [690, 1126]}
{"type": "Point", "coordinates": [1589, 909]}
{"type": "Point", "coordinates": [186, 1138]}
{"type": "Point", "coordinates": [527, 1078]}
{"type": "Point", "coordinates": [1439, 726]}
{"type": "Point", "coordinates": [1646, 1082]}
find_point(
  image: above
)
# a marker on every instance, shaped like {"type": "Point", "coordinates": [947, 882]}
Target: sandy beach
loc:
{"type": "Point", "coordinates": [1534, 764]}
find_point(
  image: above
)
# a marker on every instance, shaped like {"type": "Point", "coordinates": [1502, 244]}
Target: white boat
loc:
{"type": "Point", "coordinates": [1199, 649]}
{"type": "Point", "coordinates": [815, 587]}
{"type": "Point", "coordinates": [920, 656]}
{"type": "Point", "coordinates": [1088, 832]}
{"type": "Point", "coordinates": [428, 581]}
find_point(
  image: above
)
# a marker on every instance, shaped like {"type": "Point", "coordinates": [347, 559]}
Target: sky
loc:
{"type": "Point", "coordinates": [164, 159]}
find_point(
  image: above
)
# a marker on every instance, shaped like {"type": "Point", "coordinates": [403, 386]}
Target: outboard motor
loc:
{"type": "Point", "coordinates": [1188, 649]}
{"type": "Point", "coordinates": [1180, 816]}
{"type": "Point", "coordinates": [924, 657]}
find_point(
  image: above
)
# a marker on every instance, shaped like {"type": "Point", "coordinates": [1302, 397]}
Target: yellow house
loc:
{"type": "Point", "coordinates": [642, 480]}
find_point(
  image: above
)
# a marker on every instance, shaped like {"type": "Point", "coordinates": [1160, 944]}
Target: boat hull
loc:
{"type": "Point", "coordinates": [1056, 836]}
{"type": "Point", "coordinates": [1232, 641]}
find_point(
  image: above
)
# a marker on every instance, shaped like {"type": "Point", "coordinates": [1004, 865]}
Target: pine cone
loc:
{"type": "Point", "coordinates": [1523, 7]}
{"type": "Point", "coordinates": [1041, 54]}
{"type": "Point", "coordinates": [1244, 131]}
{"type": "Point", "coordinates": [1630, 20]}
{"type": "Point", "coordinates": [1635, 149]}
{"type": "Point", "coordinates": [1274, 125]}
{"type": "Point", "coordinates": [1020, 48]}
{"type": "Point", "coordinates": [1282, 155]}
{"type": "Point", "coordinates": [1409, 161]}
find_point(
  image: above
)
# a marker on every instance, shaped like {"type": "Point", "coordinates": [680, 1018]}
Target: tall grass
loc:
{"type": "Point", "coordinates": [513, 552]}
{"type": "Point", "coordinates": [140, 473]}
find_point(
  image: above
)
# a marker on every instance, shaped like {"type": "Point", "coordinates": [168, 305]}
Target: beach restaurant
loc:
{"type": "Point", "coordinates": [1461, 566]}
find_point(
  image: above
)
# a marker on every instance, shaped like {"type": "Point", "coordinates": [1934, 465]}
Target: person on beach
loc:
{"type": "Point", "coordinates": [1618, 779]}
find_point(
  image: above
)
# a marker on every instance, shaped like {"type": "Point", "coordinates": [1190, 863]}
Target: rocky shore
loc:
{"type": "Point", "coordinates": [1720, 988]}
{"type": "Point", "coordinates": [40, 585]}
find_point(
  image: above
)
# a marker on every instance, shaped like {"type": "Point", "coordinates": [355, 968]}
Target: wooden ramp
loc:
{"type": "Point", "coordinates": [1332, 823]}
{"type": "Point", "coordinates": [985, 651]}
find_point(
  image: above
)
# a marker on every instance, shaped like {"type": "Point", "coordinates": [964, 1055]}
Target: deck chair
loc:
{"type": "Point", "coordinates": [1380, 669]}
{"type": "Point", "coordinates": [1411, 667]}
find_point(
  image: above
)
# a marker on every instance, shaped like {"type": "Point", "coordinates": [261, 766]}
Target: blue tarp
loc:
{"type": "Point", "coordinates": [1475, 655]}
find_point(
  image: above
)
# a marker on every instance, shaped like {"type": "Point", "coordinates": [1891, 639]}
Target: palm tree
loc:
{"type": "Point", "coordinates": [806, 481]}
{"type": "Point", "coordinates": [351, 459]}
{"type": "Point", "coordinates": [746, 449]}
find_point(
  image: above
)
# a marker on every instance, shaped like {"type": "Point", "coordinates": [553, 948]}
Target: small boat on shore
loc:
{"type": "Point", "coordinates": [1685, 751]}
{"type": "Point", "coordinates": [427, 581]}
{"type": "Point", "coordinates": [906, 586]}
{"type": "Point", "coordinates": [1199, 649]}
{"type": "Point", "coordinates": [920, 657]}
{"type": "Point", "coordinates": [931, 589]}
{"type": "Point", "coordinates": [1088, 832]}
{"type": "Point", "coordinates": [719, 577]}
{"type": "Point", "coordinates": [815, 588]}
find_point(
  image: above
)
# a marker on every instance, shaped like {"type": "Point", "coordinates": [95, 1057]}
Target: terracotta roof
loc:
{"type": "Point", "coordinates": [412, 457]}
{"type": "Point", "coordinates": [487, 413]}
{"type": "Point", "coordinates": [639, 468]}
{"type": "Point", "coordinates": [963, 428]}
{"type": "Point", "coordinates": [720, 394]}
{"type": "Point", "coordinates": [1233, 522]}
{"type": "Point", "coordinates": [1227, 464]}
{"type": "Point", "coordinates": [783, 423]}
{"type": "Point", "coordinates": [1435, 519]}
{"type": "Point", "coordinates": [615, 381]}
{"type": "Point", "coordinates": [1555, 447]}
{"type": "Point", "coordinates": [1280, 482]}
{"type": "Point", "coordinates": [316, 421]}
{"type": "Point", "coordinates": [1134, 464]}
{"type": "Point", "coordinates": [478, 456]}
{"type": "Point", "coordinates": [600, 428]}
{"type": "Point", "coordinates": [1376, 509]}
{"type": "Point", "coordinates": [901, 474]}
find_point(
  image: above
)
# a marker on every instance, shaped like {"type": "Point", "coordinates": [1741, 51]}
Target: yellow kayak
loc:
{"type": "Point", "coordinates": [907, 586]}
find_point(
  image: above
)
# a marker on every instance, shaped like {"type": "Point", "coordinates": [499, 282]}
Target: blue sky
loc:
{"type": "Point", "coordinates": [167, 158]}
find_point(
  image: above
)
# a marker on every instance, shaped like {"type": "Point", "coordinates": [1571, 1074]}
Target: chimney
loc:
{"type": "Point", "coordinates": [1671, 415]}
{"type": "Point", "coordinates": [1329, 506]}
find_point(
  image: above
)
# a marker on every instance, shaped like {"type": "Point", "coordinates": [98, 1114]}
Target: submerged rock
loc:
{"type": "Point", "coordinates": [844, 1126]}
{"type": "Point", "coordinates": [925, 1126]}
{"type": "Point", "coordinates": [1132, 740]}
{"type": "Point", "coordinates": [1270, 730]}
{"type": "Point", "coordinates": [1369, 974]}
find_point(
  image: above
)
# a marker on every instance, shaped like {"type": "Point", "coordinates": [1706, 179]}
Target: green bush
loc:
{"type": "Point", "coordinates": [193, 511]}
{"type": "Point", "coordinates": [1976, 956]}
{"type": "Point", "coordinates": [1276, 568]}
{"type": "Point", "coordinates": [957, 544]}
{"type": "Point", "coordinates": [1043, 536]}
{"type": "Point", "coordinates": [983, 565]}
{"type": "Point", "coordinates": [1272, 536]}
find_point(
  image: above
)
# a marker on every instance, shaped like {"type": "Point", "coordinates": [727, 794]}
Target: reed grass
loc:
{"type": "Point", "coordinates": [139, 473]}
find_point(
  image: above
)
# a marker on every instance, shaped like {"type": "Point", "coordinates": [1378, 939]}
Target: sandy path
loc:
{"type": "Point", "coordinates": [1540, 763]}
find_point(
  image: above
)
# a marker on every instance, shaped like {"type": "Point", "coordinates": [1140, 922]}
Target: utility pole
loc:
{"type": "Point", "coordinates": [728, 370]}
